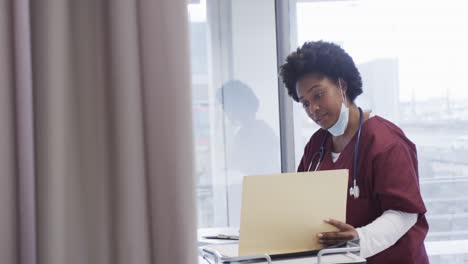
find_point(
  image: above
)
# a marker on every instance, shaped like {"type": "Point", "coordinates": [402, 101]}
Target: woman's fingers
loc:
{"type": "Point", "coordinates": [338, 224]}
{"type": "Point", "coordinates": [333, 238]}
{"type": "Point", "coordinates": [336, 236]}
{"type": "Point", "coordinates": [331, 242]}
{"type": "Point", "coordinates": [346, 232]}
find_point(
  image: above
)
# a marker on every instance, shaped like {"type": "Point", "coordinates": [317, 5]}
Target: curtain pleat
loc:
{"type": "Point", "coordinates": [166, 112]}
{"type": "Point", "coordinates": [130, 194]}
{"type": "Point", "coordinates": [59, 202]}
{"type": "Point", "coordinates": [9, 227]}
{"type": "Point", "coordinates": [24, 132]}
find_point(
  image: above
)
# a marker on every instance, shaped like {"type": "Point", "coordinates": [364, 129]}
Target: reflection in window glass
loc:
{"type": "Point", "coordinates": [412, 56]}
{"type": "Point", "coordinates": [235, 102]}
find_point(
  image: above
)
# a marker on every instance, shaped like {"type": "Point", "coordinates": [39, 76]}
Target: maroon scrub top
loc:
{"type": "Point", "coordinates": [388, 180]}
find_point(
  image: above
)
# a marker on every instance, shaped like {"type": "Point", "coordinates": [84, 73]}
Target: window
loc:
{"type": "Point", "coordinates": [412, 56]}
{"type": "Point", "coordinates": [235, 102]}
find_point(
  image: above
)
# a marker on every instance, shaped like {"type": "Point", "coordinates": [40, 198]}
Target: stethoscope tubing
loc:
{"type": "Point", "coordinates": [321, 153]}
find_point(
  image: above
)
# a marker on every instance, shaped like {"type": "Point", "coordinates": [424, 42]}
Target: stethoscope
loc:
{"type": "Point", "coordinates": [354, 190]}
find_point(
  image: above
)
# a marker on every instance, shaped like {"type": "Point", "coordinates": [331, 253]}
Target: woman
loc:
{"type": "Point", "coordinates": [385, 210]}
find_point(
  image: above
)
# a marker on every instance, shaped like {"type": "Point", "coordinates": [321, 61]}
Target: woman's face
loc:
{"type": "Point", "coordinates": [321, 98]}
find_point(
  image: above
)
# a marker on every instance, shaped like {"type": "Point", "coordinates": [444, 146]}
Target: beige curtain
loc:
{"type": "Point", "coordinates": [96, 150]}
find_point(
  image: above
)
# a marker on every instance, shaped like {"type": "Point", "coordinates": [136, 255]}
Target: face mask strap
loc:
{"type": "Point", "coordinates": [342, 93]}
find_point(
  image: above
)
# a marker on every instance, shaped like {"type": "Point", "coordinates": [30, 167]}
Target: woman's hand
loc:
{"type": "Point", "coordinates": [346, 232]}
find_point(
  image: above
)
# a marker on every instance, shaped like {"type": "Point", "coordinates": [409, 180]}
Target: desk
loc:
{"type": "Point", "coordinates": [232, 246]}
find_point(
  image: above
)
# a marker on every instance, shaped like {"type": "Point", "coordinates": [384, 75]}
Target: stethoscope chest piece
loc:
{"type": "Point", "coordinates": [354, 191]}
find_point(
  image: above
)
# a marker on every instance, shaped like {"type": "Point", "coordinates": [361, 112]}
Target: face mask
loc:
{"type": "Point", "coordinates": [341, 124]}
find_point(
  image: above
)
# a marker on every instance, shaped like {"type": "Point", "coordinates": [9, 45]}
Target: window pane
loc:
{"type": "Point", "coordinates": [235, 102]}
{"type": "Point", "coordinates": [412, 56]}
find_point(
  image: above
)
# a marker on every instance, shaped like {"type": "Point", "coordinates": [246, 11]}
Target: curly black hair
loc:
{"type": "Point", "coordinates": [324, 58]}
